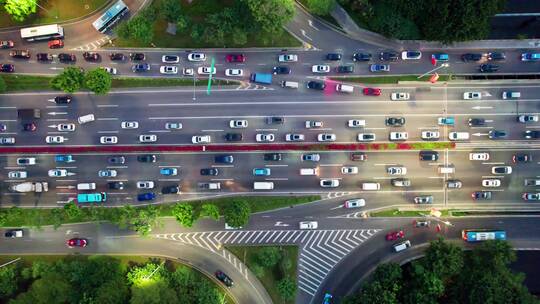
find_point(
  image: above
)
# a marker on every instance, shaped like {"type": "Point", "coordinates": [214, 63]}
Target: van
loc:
{"type": "Point", "coordinates": [344, 88]}
{"type": "Point", "coordinates": [371, 186]}
{"type": "Point", "coordinates": [289, 84]}
{"type": "Point", "coordinates": [86, 118]}
{"type": "Point", "coordinates": [263, 185]}
{"type": "Point", "coordinates": [511, 95]}
{"type": "Point", "coordinates": [308, 225]}
{"type": "Point", "coordinates": [454, 136]}
{"type": "Point", "coordinates": [532, 182]}
{"type": "Point", "coordinates": [210, 186]}
{"type": "Point", "coordinates": [92, 197]}
{"type": "Point", "coordinates": [402, 246]}
{"type": "Point", "coordinates": [86, 186]}
{"type": "Point", "coordinates": [309, 171]}
{"type": "Point", "coordinates": [446, 169]}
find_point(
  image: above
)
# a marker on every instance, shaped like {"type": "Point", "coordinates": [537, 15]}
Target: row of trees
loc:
{"type": "Point", "coordinates": [73, 79]}
{"type": "Point", "coordinates": [447, 274]}
{"type": "Point", "coordinates": [235, 213]}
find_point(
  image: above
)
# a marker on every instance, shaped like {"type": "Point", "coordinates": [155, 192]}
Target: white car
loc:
{"type": "Point", "coordinates": [349, 170]}
{"type": "Point", "coordinates": [431, 135]}
{"type": "Point", "coordinates": [66, 127]}
{"type": "Point", "coordinates": [234, 72]}
{"type": "Point", "coordinates": [145, 185]}
{"type": "Point", "coordinates": [326, 137]}
{"type": "Point", "coordinates": [288, 58]}
{"type": "Point", "coordinates": [170, 59]}
{"type": "Point", "coordinates": [109, 70]}
{"type": "Point", "coordinates": [329, 183]}
{"type": "Point", "coordinates": [173, 125]}
{"type": "Point", "coordinates": [201, 139]}
{"type": "Point", "coordinates": [108, 140]}
{"type": "Point", "coordinates": [400, 96]}
{"type": "Point", "coordinates": [356, 123]}
{"type": "Point", "coordinates": [188, 72]}
{"type": "Point", "coordinates": [491, 183]}
{"type": "Point", "coordinates": [366, 136]}
{"type": "Point", "coordinates": [472, 95]}
{"type": "Point", "coordinates": [168, 70]}
{"type": "Point", "coordinates": [26, 161]}
{"type": "Point", "coordinates": [206, 71]}
{"type": "Point", "coordinates": [107, 173]}
{"type": "Point", "coordinates": [147, 138]}
{"type": "Point", "coordinates": [294, 137]}
{"type": "Point", "coordinates": [129, 125]}
{"type": "Point", "coordinates": [17, 174]}
{"type": "Point", "coordinates": [320, 68]}
{"type": "Point", "coordinates": [55, 139]}
{"type": "Point", "coordinates": [264, 137]}
{"type": "Point", "coordinates": [501, 170]}
{"type": "Point", "coordinates": [308, 225]}
{"type": "Point", "coordinates": [479, 156]}
{"type": "Point", "coordinates": [411, 55]}
{"type": "Point", "coordinates": [396, 136]}
{"type": "Point", "coordinates": [395, 170]}
{"type": "Point", "coordinates": [238, 124]}
{"type": "Point", "coordinates": [196, 57]}
{"type": "Point", "coordinates": [313, 124]}
{"type": "Point", "coordinates": [354, 203]}
{"type": "Point", "coordinates": [57, 173]}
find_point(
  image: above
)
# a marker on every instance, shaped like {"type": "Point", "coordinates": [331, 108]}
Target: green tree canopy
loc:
{"type": "Point", "coordinates": [287, 289]}
{"type": "Point", "coordinates": [98, 81]}
{"type": "Point", "coordinates": [184, 214]}
{"type": "Point", "coordinates": [321, 7]}
{"type": "Point", "coordinates": [9, 280]}
{"type": "Point", "coordinates": [210, 210]}
{"type": "Point", "coordinates": [271, 15]}
{"type": "Point", "coordinates": [269, 256]}
{"type": "Point", "coordinates": [139, 28]}
{"type": "Point", "coordinates": [69, 81]}
{"type": "Point", "coordinates": [20, 9]}
{"type": "Point", "coordinates": [237, 213]}
{"type": "Point", "coordinates": [171, 10]}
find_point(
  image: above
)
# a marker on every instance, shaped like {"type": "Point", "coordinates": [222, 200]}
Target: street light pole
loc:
{"type": "Point", "coordinates": [444, 65]}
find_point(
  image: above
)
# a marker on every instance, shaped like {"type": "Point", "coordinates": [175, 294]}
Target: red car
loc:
{"type": "Point", "coordinates": [392, 236]}
{"type": "Point", "coordinates": [235, 58]}
{"type": "Point", "coordinates": [56, 44]}
{"type": "Point", "coordinates": [371, 91]}
{"type": "Point", "coordinates": [76, 242]}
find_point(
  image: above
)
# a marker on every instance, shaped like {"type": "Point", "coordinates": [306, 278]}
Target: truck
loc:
{"type": "Point", "coordinates": [31, 187]}
{"type": "Point", "coordinates": [29, 114]}
{"type": "Point", "coordinates": [261, 78]}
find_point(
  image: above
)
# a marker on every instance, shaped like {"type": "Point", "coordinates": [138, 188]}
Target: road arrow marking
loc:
{"type": "Point", "coordinates": [53, 126]}
{"type": "Point", "coordinates": [480, 134]}
{"type": "Point", "coordinates": [57, 113]}
{"type": "Point", "coordinates": [481, 107]}
{"type": "Point", "coordinates": [311, 24]}
{"type": "Point", "coordinates": [280, 224]}
{"type": "Point", "coordinates": [56, 68]}
{"type": "Point", "coordinates": [304, 33]}
{"type": "Point", "coordinates": [65, 187]}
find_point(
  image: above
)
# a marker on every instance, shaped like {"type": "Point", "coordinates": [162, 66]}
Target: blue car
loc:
{"type": "Point", "coordinates": [449, 121]}
{"type": "Point", "coordinates": [168, 171]}
{"type": "Point", "coordinates": [327, 298]}
{"type": "Point", "coordinates": [261, 171]}
{"type": "Point", "coordinates": [440, 57]}
{"type": "Point", "coordinates": [64, 158]}
{"type": "Point", "coordinates": [146, 196]}
{"type": "Point", "coordinates": [530, 57]}
{"type": "Point", "coordinates": [379, 68]}
{"type": "Point", "coordinates": [141, 67]}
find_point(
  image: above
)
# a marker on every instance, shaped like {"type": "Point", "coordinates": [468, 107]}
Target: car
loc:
{"type": "Point", "coordinates": [188, 72]}
{"type": "Point", "coordinates": [7, 68]}
{"type": "Point", "coordinates": [428, 155]}
{"type": "Point", "coordinates": [288, 58]}
{"type": "Point", "coordinates": [326, 137]}
{"type": "Point", "coordinates": [206, 70]}
{"type": "Point", "coordinates": [117, 57]}
{"type": "Point", "coordinates": [530, 134]}
{"type": "Point", "coordinates": [57, 173]}
{"type": "Point", "coordinates": [365, 137]}
{"type": "Point", "coordinates": [64, 158]}
{"type": "Point", "coordinates": [479, 156]}
{"type": "Point", "coordinates": [224, 159]}
{"type": "Point", "coordinates": [430, 135]}
{"type": "Point", "coordinates": [423, 199]}
{"type": "Point", "coordinates": [327, 298]}
{"type": "Point", "coordinates": [141, 67]}
{"type": "Point", "coordinates": [77, 242]}
{"type": "Point", "coordinates": [358, 156]}
{"type": "Point", "coordinates": [272, 157]}
{"type": "Point", "coordinates": [14, 233]}
{"type": "Point", "coordinates": [201, 139]}
{"type": "Point", "coordinates": [237, 124]}
{"type": "Point", "coordinates": [55, 44]}
{"type": "Point", "coordinates": [234, 72]}
{"type": "Point", "coordinates": [371, 91]}
{"type": "Point", "coordinates": [488, 68]}
{"type": "Point", "coordinates": [148, 196]}
{"type": "Point", "coordinates": [496, 56]}
{"type": "Point", "coordinates": [477, 122]}
{"type": "Point", "coordinates": [400, 182]}
{"type": "Point", "coordinates": [333, 56]}
{"type": "Point", "coordinates": [91, 56]}
{"type": "Point", "coordinates": [329, 183]}
{"type": "Point", "coordinates": [168, 70]}
{"type": "Point", "coordinates": [445, 121]}
{"type": "Point", "coordinates": [491, 183]}
{"type": "Point", "coordinates": [531, 196]}
{"type": "Point", "coordinates": [453, 184]}
{"type": "Point", "coordinates": [234, 137]}
{"type": "Point", "coordinates": [31, 127]}
{"type": "Point", "coordinates": [137, 56]}
{"type": "Point", "coordinates": [400, 96]}
{"type": "Point", "coordinates": [501, 170]}
{"type": "Point", "coordinates": [261, 171]}
{"type": "Point", "coordinates": [67, 58]}
{"type": "Point", "coordinates": [115, 185]}
{"type": "Point", "coordinates": [108, 140]}
{"type": "Point", "coordinates": [225, 279]}
{"type": "Point", "coordinates": [209, 171]}
{"type": "Point", "coordinates": [471, 57]}
{"type": "Point", "coordinates": [70, 127]}
{"type": "Point", "coordinates": [379, 68]}
{"type": "Point", "coordinates": [116, 160]}
{"type": "Point", "coordinates": [481, 195]}
{"type": "Point", "coordinates": [170, 59]}
{"type": "Point", "coordinates": [129, 125]}
{"type": "Point", "coordinates": [7, 140]}
{"type": "Point", "coordinates": [314, 157]}
{"type": "Point", "coordinates": [63, 99]}
{"type": "Point", "coordinates": [294, 137]}
{"type": "Point", "coordinates": [235, 58]}
{"type": "Point", "coordinates": [3, 128]}
{"type": "Point", "coordinates": [145, 185]}
{"type": "Point", "coordinates": [423, 223]}
{"type": "Point", "coordinates": [345, 69]}
{"type": "Point", "coordinates": [532, 182]}
{"type": "Point", "coordinates": [396, 170]}
{"type": "Point", "coordinates": [472, 95]}
{"type": "Point", "coordinates": [316, 85]}
{"type": "Point", "coordinates": [173, 125]}
{"type": "Point", "coordinates": [398, 136]}
{"type": "Point", "coordinates": [530, 57]}
{"type": "Point", "coordinates": [281, 70]}
{"type": "Point", "coordinates": [196, 57]}
{"type": "Point", "coordinates": [148, 138]}
{"type": "Point", "coordinates": [527, 118]}
{"type": "Point", "coordinates": [44, 57]}
{"type": "Point", "coordinates": [168, 171]}
{"type": "Point", "coordinates": [354, 203]}
{"type": "Point", "coordinates": [311, 124]}
{"type": "Point", "coordinates": [55, 139]}
{"type": "Point", "coordinates": [26, 161]}
{"type": "Point", "coordinates": [6, 44]}
{"type": "Point", "coordinates": [349, 170]}
{"type": "Point", "coordinates": [20, 54]}
{"type": "Point", "coordinates": [147, 158]}
{"type": "Point", "coordinates": [355, 123]}
{"type": "Point", "coordinates": [522, 158]}
{"type": "Point", "coordinates": [361, 57]}
{"type": "Point", "coordinates": [395, 121]}
{"type": "Point", "coordinates": [107, 173]}
{"type": "Point", "coordinates": [394, 235]}
{"type": "Point", "coordinates": [388, 56]}
{"type": "Point", "coordinates": [320, 68]}
{"type": "Point", "coordinates": [440, 57]}
{"type": "Point", "coordinates": [497, 134]}
{"type": "Point", "coordinates": [17, 174]}
{"type": "Point", "coordinates": [411, 55]}
{"type": "Point", "coordinates": [275, 120]}
{"type": "Point", "coordinates": [175, 189]}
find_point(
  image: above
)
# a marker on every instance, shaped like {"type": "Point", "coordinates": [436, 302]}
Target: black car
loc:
{"type": "Point", "coordinates": [497, 134]}
{"type": "Point", "coordinates": [29, 127]}
{"type": "Point", "coordinates": [220, 275]}
{"type": "Point", "coordinates": [117, 56]}
{"type": "Point", "coordinates": [496, 56]}
{"type": "Point", "coordinates": [7, 68]}
{"type": "Point", "coordinates": [488, 68]}
{"type": "Point", "coordinates": [361, 57]}
{"type": "Point", "coordinates": [476, 122]}
{"type": "Point", "coordinates": [333, 56]}
{"type": "Point", "coordinates": [429, 155]}
{"type": "Point", "coordinates": [275, 120]}
{"type": "Point", "coordinates": [281, 70]}
{"type": "Point", "coordinates": [137, 56]}
{"type": "Point", "coordinates": [531, 134]}
{"type": "Point", "coordinates": [233, 137]}
{"type": "Point", "coordinates": [224, 159]}
{"type": "Point", "coordinates": [147, 158]}
{"type": "Point", "coordinates": [64, 57]}
{"type": "Point", "coordinates": [91, 56]}
{"type": "Point", "coordinates": [522, 158]}
{"type": "Point", "coordinates": [395, 121]}
{"type": "Point", "coordinates": [116, 160]}
{"type": "Point", "coordinates": [481, 195]}
{"type": "Point", "coordinates": [20, 54]}
{"type": "Point", "coordinates": [44, 57]}
{"type": "Point", "coordinates": [471, 57]}
{"type": "Point", "coordinates": [389, 56]}
{"type": "Point", "coordinates": [316, 85]}
{"type": "Point", "coordinates": [209, 171]}
{"type": "Point", "coordinates": [345, 69]}
{"type": "Point", "coordinates": [116, 185]}
{"type": "Point", "coordinates": [63, 99]}
{"type": "Point", "coordinates": [170, 190]}
{"type": "Point", "coordinates": [272, 156]}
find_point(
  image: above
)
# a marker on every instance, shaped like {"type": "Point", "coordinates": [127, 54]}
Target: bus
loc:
{"type": "Point", "coordinates": [91, 197]}
{"type": "Point", "coordinates": [478, 235]}
{"type": "Point", "coordinates": [44, 32]}
{"type": "Point", "coordinates": [111, 16]}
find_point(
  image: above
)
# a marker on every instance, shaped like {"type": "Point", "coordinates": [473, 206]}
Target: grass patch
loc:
{"type": "Point", "coordinates": [390, 79]}
{"type": "Point", "coordinates": [404, 213]}
{"type": "Point", "coordinates": [26, 82]}
{"type": "Point", "coordinates": [271, 276]}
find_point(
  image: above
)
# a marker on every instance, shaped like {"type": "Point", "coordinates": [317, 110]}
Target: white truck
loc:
{"type": "Point", "coordinates": [31, 187]}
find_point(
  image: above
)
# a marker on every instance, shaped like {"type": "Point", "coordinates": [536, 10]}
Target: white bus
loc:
{"type": "Point", "coordinates": [44, 32]}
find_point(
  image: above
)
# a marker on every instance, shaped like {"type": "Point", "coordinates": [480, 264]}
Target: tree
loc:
{"type": "Point", "coordinates": [258, 270]}
{"type": "Point", "coordinates": [287, 289]}
{"type": "Point", "coordinates": [98, 81]}
{"type": "Point", "coordinates": [206, 293]}
{"type": "Point", "coordinates": [237, 213]}
{"type": "Point", "coordinates": [72, 211]}
{"type": "Point", "coordinates": [3, 85]}
{"type": "Point", "coordinates": [182, 23]}
{"type": "Point", "coordinates": [20, 9]}
{"type": "Point", "coordinates": [69, 81]}
{"type": "Point", "coordinates": [138, 28]}
{"type": "Point", "coordinates": [321, 7]}
{"type": "Point", "coordinates": [269, 256]}
{"type": "Point", "coordinates": [210, 210]}
{"type": "Point", "coordinates": [423, 287]}
{"type": "Point", "coordinates": [56, 217]}
{"type": "Point", "coordinates": [385, 286]}
{"type": "Point", "coordinates": [145, 219]}
{"type": "Point", "coordinates": [184, 214]}
{"type": "Point", "coordinates": [239, 36]}
{"type": "Point", "coordinates": [171, 10]}
{"type": "Point", "coordinates": [444, 259]}
{"type": "Point", "coordinates": [271, 15]}
{"type": "Point", "coordinates": [389, 22]}
{"type": "Point", "coordinates": [9, 280]}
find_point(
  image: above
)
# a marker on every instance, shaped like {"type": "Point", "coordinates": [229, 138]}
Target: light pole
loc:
{"type": "Point", "coordinates": [41, 7]}
{"type": "Point", "coordinates": [444, 65]}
